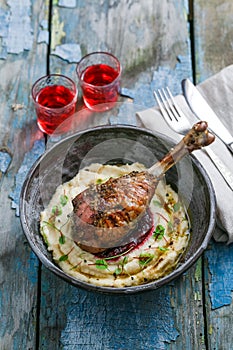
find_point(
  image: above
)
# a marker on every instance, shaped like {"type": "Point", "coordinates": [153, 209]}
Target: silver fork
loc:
{"type": "Point", "coordinates": [177, 121]}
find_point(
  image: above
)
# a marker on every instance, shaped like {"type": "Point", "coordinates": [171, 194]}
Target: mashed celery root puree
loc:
{"type": "Point", "coordinates": [155, 257]}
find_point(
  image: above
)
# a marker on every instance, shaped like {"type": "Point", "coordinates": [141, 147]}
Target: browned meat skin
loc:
{"type": "Point", "coordinates": [106, 214]}
{"type": "Point", "coordinates": [117, 201]}
{"type": "Point", "coordinates": [140, 232]}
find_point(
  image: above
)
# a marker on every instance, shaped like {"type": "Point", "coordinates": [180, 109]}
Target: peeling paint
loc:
{"type": "Point", "coordinates": [220, 258]}
{"type": "Point", "coordinates": [5, 160]}
{"type": "Point", "coordinates": [57, 30]}
{"type": "Point", "coordinates": [142, 92]}
{"type": "Point", "coordinates": [68, 52]}
{"type": "Point", "coordinates": [67, 3]}
{"type": "Point", "coordinates": [29, 158]}
{"type": "Point", "coordinates": [197, 296]}
{"type": "Point", "coordinates": [44, 24]}
{"type": "Point", "coordinates": [139, 314]}
{"type": "Point", "coordinates": [210, 331]}
{"type": "Point", "coordinates": [164, 76]}
{"type": "Point", "coordinates": [15, 28]}
{"type": "Point", "coordinates": [43, 37]}
{"type": "Point", "coordinates": [4, 25]}
{"type": "Point", "coordinates": [198, 271]}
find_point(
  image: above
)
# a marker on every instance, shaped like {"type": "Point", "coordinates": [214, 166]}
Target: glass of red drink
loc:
{"type": "Point", "coordinates": [55, 98]}
{"type": "Point", "coordinates": [99, 77]}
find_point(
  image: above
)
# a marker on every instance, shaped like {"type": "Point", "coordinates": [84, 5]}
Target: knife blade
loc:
{"type": "Point", "coordinates": [222, 168]}
{"type": "Point", "coordinates": [203, 111]}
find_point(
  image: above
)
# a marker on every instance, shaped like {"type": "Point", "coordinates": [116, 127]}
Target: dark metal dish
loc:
{"type": "Point", "coordinates": [117, 144]}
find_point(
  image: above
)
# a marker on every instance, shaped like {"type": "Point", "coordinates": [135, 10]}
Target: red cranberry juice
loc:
{"type": "Point", "coordinates": [103, 90]}
{"type": "Point", "coordinates": [56, 97]}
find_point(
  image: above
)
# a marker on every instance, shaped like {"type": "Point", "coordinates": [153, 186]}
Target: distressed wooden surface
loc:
{"type": "Point", "coordinates": [21, 62]}
{"type": "Point", "coordinates": [151, 39]}
{"type": "Point", "coordinates": [213, 28]}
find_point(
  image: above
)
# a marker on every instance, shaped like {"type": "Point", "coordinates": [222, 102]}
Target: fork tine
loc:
{"type": "Point", "coordinates": [166, 104]}
{"type": "Point", "coordinates": [162, 109]}
{"type": "Point", "coordinates": [172, 114]}
{"type": "Point", "coordinates": [170, 103]}
{"type": "Point", "coordinates": [177, 109]}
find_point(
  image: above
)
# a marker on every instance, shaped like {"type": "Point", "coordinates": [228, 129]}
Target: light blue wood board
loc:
{"type": "Point", "coordinates": [28, 161]}
{"type": "Point", "coordinates": [55, 322]}
{"type": "Point", "coordinates": [95, 321]}
{"type": "Point", "coordinates": [220, 263]}
{"type": "Point", "coordinates": [213, 51]}
{"type": "Point", "coordinates": [18, 133]}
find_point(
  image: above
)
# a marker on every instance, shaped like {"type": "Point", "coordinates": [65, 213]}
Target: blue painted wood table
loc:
{"type": "Point", "coordinates": [158, 43]}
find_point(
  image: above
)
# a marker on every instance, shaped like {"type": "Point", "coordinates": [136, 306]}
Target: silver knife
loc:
{"type": "Point", "coordinates": [223, 169]}
{"type": "Point", "coordinates": [203, 111]}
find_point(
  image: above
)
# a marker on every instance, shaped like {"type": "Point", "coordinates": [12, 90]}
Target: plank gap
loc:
{"type": "Point", "coordinates": [204, 304]}
{"type": "Point", "coordinates": [192, 37]}
{"type": "Point", "coordinates": [38, 307]}
{"type": "Point", "coordinates": [50, 15]}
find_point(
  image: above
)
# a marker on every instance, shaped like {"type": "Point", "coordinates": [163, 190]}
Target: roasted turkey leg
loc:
{"type": "Point", "coordinates": [106, 215]}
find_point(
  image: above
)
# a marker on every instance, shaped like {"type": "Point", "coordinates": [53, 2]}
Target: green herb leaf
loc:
{"type": "Point", "coordinates": [145, 259]}
{"type": "Point", "coordinates": [63, 257]}
{"type": "Point", "coordinates": [118, 271]}
{"type": "Point", "coordinates": [176, 207]}
{"type": "Point", "coordinates": [163, 249]}
{"type": "Point", "coordinates": [159, 232]}
{"type": "Point", "coordinates": [62, 239]}
{"type": "Point", "coordinates": [63, 200]}
{"type": "Point", "coordinates": [125, 260]}
{"type": "Point", "coordinates": [44, 236]}
{"type": "Point", "coordinates": [99, 181]}
{"type": "Point", "coordinates": [56, 210]}
{"type": "Point", "coordinates": [101, 264]}
{"type": "Point", "coordinates": [74, 267]}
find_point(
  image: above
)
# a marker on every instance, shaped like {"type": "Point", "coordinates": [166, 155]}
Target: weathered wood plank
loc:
{"type": "Point", "coordinates": [213, 51]}
{"type": "Point", "coordinates": [154, 51]}
{"type": "Point", "coordinates": [187, 301]}
{"type": "Point", "coordinates": [213, 36]}
{"type": "Point", "coordinates": [19, 26]}
{"type": "Point", "coordinates": [219, 315]}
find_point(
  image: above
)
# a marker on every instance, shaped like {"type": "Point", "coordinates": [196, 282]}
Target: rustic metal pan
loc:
{"type": "Point", "coordinates": [124, 144]}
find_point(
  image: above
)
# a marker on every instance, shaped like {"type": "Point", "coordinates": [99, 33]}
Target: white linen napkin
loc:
{"type": "Point", "coordinates": [218, 91]}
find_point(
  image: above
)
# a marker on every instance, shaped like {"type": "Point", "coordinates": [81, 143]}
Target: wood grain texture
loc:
{"type": "Point", "coordinates": [18, 132]}
{"type": "Point", "coordinates": [213, 36]}
{"type": "Point", "coordinates": [213, 51]}
{"type": "Point", "coordinates": [219, 287]}
{"type": "Point", "coordinates": [154, 52]}
{"type": "Point", "coordinates": [151, 39]}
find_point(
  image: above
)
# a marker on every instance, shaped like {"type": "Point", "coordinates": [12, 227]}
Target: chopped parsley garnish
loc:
{"type": "Point", "coordinates": [63, 257]}
{"type": "Point", "coordinates": [121, 265]}
{"type": "Point", "coordinates": [62, 239]}
{"type": "Point", "coordinates": [159, 232]}
{"type": "Point", "coordinates": [163, 249]}
{"type": "Point", "coordinates": [118, 271]}
{"type": "Point", "coordinates": [56, 211]}
{"type": "Point", "coordinates": [145, 259]}
{"type": "Point", "coordinates": [63, 200]}
{"type": "Point", "coordinates": [101, 264]}
{"type": "Point", "coordinates": [99, 181]}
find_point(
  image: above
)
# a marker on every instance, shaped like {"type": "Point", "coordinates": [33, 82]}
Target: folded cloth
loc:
{"type": "Point", "coordinates": [218, 92]}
